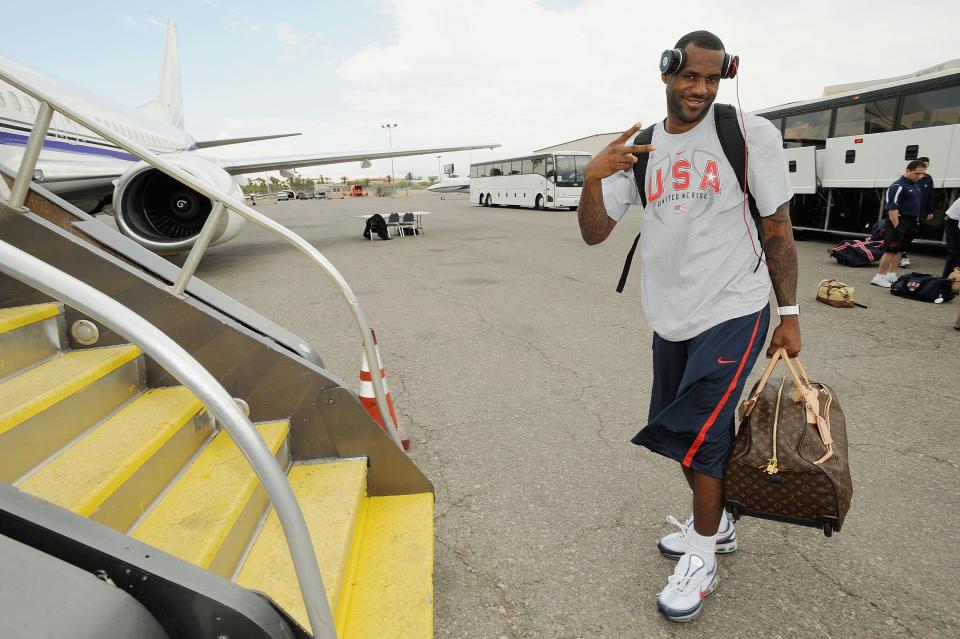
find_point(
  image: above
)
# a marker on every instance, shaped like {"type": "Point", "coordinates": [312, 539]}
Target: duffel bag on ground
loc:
{"type": "Point", "coordinates": [835, 293]}
{"type": "Point", "coordinates": [954, 278]}
{"type": "Point", "coordinates": [789, 458]}
{"type": "Point", "coordinates": [857, 252]}
{"type": "Point", "coordinates": [923, 287]}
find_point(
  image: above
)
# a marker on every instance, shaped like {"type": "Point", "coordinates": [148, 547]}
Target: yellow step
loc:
{"type": "Point", "coordinates": [19, 316]}
{"type": "Point", "coordinates": [114, 472]}
{"type": "Point", "coordinates": [46, 407]}
{"type": "Point", "coordinates": [331, 495]}
{"type": "Point", "coordinates": [36, 390]}
{"type": "Point", "coordinates": [390, 591]}
{"type": "Point", "coordinates": [209, 514]}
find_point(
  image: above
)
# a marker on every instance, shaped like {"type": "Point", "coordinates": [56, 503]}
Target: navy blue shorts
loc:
{"type": "Point", "coordinates": [696, 387]}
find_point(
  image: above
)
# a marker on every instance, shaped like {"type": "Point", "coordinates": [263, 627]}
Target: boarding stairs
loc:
{"type": "Point", "coordinates": [80, 429]}
{"type": "Point", "coordinates": [131, 478]}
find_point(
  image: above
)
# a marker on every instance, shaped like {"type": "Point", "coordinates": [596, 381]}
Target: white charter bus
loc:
{"type": "Point", "coordinates": [541, 181]}
{"type": "Point", "coordinates": [844, 149]}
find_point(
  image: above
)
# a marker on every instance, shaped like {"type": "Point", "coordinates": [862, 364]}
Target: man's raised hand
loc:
{"type": "Point", "coordinates": [618, 155]}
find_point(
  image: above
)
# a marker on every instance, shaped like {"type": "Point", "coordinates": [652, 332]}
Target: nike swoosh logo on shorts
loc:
{"type": "Point", "coordinates": [720, 360]}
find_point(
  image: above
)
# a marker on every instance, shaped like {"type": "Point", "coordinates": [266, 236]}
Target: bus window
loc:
{"type": "Point", "coordinates": [808, 129]}
{"type": "Point", "coordinates": [869, 117]}
{"type": "Point", "coordinates": [527, 167]}
{"type": "Point", "coordinates": [474, 171]}
{"type": "Point", "coordinates": [539, 166]}
{"type": "Point", "coordinates": [931, 108]}
{"type": "Point", "coordinates": [582, 161]}
{"type": "Point", "coordinates": [496, 169]}
{"type": "Point", "coordinates": [515, 167]}
{"type": "Point", "coordinates": [569, 170]}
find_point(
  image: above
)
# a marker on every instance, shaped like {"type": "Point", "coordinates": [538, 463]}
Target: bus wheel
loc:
{"type": "Point", "coordinates": [487, 200]}
{"type": "Point", "coordinates": [538, 205]}
{"type": "Point", "coordinates": [482, 201]}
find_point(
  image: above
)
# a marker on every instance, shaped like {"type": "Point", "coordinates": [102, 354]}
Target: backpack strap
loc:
{"type": "Point", "coordinates": [732, 142]}
{"type": "Point", "coordinates": [640, 175]}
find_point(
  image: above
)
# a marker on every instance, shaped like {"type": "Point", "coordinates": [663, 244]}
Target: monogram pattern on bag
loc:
{"type": "Point", "coordinates": [801, 489]}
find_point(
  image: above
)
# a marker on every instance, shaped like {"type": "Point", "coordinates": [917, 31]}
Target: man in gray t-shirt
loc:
{"type": "Point", "coordinates": [705, 288]}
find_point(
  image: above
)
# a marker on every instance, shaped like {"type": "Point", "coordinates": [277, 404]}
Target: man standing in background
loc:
{"type": "Point", "coordinates": [904, 205]}
{"type": "Point", "coordinates": [952, 237]}
{"type": "Point", "coordinates": [926, 193]}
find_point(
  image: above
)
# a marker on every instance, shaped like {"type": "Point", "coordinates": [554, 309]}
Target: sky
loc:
{"type": "Point", "coordinates": [524, 74]}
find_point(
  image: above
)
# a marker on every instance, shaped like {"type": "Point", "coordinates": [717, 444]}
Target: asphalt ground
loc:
{"type": "Point", "coordinates": [521, 376]}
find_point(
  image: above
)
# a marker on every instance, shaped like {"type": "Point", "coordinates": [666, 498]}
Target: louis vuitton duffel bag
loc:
{"type": "Point", "coordinates": [789, 458]}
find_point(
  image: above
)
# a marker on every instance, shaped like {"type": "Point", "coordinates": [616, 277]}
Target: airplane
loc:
{"type": "Point", "coordinates": [95, 175]}
{"type": "Point", "coordinates": [451, 185]}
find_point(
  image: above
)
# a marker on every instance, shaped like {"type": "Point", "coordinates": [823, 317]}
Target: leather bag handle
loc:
{"type": "Point", "coordinates": [805, 392]}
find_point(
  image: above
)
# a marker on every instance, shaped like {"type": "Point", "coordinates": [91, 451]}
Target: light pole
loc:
{"type": "Point", "coordinates": [439, 169]}
{"type": "Point", "coordinates": [389, 128]}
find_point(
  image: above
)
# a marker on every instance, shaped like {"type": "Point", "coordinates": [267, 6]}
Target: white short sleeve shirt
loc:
{"type": "Point", "coordinates": [699, 248]}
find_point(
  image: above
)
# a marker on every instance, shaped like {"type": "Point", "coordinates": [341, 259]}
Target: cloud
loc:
{"type": "Point", "coordinates": [242, 24]}
{"type": "Point", "coordinates": [295, 43]}
{"type": "Point", "coordinates": [528, 75]}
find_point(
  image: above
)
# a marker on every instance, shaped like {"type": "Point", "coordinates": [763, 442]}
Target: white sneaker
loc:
{"type": "Point", "coordinates": [693, 579]}
{"type": "Point", "coordinates": [904, 261]}
{"type": "Point", "coordinates": [892, 277]}
{"type": "Point", "coordinates": [881, 281]}
{"type": "Point", "coordinates": [676, 545]}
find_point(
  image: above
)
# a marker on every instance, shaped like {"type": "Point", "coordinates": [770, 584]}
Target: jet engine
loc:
{"type": "Point", "coordinates": [164, 215]}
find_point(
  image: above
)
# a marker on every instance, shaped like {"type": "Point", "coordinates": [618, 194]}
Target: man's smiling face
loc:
{"type": "Point", "coordinates": [691, 91]}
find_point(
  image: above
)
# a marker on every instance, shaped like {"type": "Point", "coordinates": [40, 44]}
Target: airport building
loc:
{"type": "Point", "coordinates": [591, 144]}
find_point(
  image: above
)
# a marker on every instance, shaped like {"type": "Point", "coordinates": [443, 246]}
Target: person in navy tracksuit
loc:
{"type": "Point", "coordinates": [926, 193]}
{"type": "Point", "coordinates": [904, 205]}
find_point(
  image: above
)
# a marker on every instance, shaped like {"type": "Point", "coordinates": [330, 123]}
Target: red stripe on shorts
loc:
{"type": "Point", "coordinates": [716, 411]}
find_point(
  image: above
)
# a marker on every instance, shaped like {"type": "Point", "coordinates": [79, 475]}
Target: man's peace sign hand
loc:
{"type": "Point", "coordinates": [618, 155]}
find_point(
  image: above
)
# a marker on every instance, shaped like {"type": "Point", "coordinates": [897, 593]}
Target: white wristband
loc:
{"type": "Point", "coordinates": [788, 310]}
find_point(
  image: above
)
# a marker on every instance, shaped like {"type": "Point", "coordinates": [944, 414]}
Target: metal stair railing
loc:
{"type": "Point", "coordinates": [179, 363]}
{"type": "Point", "coordinates": [221, 201]}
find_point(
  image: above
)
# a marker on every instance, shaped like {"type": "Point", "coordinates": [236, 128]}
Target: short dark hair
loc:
{"type": "Point", "coordinates": [915, 164]}
{"type": "Point", "coordinates": [702, 39]}
{"type": "Point", "coordinates": [925, 160]}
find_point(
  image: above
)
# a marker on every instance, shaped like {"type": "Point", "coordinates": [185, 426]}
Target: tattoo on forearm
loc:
{"type": "Point", "coordinates": [592, 215]}
{"type": "Point", "coordinates": [781, 255]}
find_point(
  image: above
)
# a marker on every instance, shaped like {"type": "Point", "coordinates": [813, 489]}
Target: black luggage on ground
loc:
{"type": "Point", "coordinates": [377, 225]}
{"type": "Point", "coordinates": [857, 252]}
{"type": "Point", "coordinates": [923, 287]}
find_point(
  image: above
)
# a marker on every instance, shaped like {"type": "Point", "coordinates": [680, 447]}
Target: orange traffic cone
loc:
{"type": "Point", "coordinates": [369, 400]}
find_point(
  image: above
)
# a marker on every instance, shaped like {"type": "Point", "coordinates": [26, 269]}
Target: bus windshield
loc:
{"type": "Point", "coordinates": [570, 169]}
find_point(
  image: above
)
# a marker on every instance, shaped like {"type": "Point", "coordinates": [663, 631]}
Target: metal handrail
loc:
{"type": "Point", "coordinates": [28, 164]}
{"type": "Point", "coordinates": [179, 363]}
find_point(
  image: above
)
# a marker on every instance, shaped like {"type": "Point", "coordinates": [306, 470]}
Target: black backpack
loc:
{"type": "Point", "coordinates": [731, 140]}
{"type": "Point", "coordinates": [923, 287]}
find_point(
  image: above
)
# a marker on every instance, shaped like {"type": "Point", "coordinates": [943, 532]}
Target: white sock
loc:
{"type": "Point", "coordinates": [703, 545]}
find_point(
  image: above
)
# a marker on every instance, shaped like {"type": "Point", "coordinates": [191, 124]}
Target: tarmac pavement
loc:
{"type": "Point", "coordinates": [521, 376]}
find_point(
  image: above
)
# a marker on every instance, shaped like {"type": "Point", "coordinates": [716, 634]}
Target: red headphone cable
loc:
{"type": "Point", "coordinates": [746, 177]}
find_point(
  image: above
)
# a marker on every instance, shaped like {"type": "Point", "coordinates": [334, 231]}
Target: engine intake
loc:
{"type": "Point", "coordinates": [165, 215]}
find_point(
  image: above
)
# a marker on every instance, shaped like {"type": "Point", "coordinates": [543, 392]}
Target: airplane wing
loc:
{"type": "Point", "coordinates": [206, 144]}
{"type": "Point", "coordinates": [256, 165]}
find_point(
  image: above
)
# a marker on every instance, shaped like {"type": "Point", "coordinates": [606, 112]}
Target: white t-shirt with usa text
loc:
{"type": "Point", "coordinates": [699, 249]}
